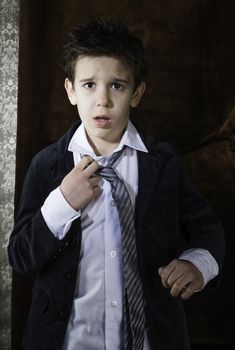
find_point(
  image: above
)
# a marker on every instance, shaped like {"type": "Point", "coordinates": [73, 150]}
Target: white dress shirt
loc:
{"type": "Point", "coordinates": [96, 317]}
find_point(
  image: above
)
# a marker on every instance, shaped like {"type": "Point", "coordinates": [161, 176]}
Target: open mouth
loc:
{"type": "Point", "coordinates": [101, 117]}
{"type": "Point", "coordinates": [101, 121]}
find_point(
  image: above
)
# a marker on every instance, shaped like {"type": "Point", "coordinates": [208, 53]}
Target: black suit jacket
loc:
{"type": "Point", "coordinates": [167, 206]}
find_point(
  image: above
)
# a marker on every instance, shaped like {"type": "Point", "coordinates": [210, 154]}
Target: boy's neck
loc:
{"type": "Point", "coordinates": [103, 147]}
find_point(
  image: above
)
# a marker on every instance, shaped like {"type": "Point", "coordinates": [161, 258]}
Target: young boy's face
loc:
{"type": "Point", "coordinates": [103, 91]}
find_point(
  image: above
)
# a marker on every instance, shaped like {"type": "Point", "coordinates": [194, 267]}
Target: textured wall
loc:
{"type": "Point", "coordinates": [8, 107]}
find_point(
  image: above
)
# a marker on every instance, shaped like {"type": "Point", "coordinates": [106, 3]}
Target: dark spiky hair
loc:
{"type": "Point", "coordinates": [105, 38]}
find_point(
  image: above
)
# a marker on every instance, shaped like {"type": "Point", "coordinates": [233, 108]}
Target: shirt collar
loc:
{"type": "Point", "coordinates": [130, 138]}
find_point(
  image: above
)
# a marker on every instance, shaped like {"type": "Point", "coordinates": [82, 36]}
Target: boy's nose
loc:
{"type": "Point", "coordinates": [103, 99]}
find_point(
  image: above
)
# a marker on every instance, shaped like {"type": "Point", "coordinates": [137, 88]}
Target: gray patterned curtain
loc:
{"type": "Point", "coordinates": [9, 10]}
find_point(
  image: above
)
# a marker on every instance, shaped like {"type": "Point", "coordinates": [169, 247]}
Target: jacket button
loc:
{"type": "Point", "coordinates": [75, 241]}
{"type": "Point", "coordinates": [62, 313]}
{"type": "Point", "coordinates": [68, 275]}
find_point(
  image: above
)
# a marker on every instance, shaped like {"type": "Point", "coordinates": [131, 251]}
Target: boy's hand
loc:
{"type": "Point", "coordinates": [182, 277]}
{"type": "Point", "coordinates": [79, 187]}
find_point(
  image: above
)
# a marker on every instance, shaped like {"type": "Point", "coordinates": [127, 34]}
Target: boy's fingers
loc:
{"type": "Point", "coordinates": [162, 274]}
{"type": "Point", "coordinates": [165, 272]}
{"type": "Point", "coordinates": [177, 287]}
{"type": "Point", "coordinates": [189, 290]}
{"type": "Point", "coordinates": [91, 168]}
{"type": "Point", "coordinates": [180, 285]}
{"type": "Point", "coordinates": [182, 277]}
{"type": "Point", "coordinates": [97, 191]}
{"type": "Point", "coordinates": [84, 162]}
{"type": "Point", "coordinates": [174, 277]}
{"type": "Point", "coordinates": [94, 181]}
{"type": "Point", "coordinates": [88, 165]}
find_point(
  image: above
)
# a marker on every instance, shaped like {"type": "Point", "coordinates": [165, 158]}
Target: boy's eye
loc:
{"type": "Point", "coordinates": [89, 85]}
{"type": "Point", "coordinates": [117, 86]}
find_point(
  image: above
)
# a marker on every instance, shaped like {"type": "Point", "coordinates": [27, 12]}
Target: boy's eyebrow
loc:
{"type": "Point", "coordinates": [120, 80]}
{"type": "Point", "coordinates": [86, 79]}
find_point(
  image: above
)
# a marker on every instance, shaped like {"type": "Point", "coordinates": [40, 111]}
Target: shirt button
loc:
{"type": "Point", "coordinates": [114, 303]}
{"type": "Point", "coordinates": [112, 203]}
{"type": "Point", "coordinates": [113, 253]}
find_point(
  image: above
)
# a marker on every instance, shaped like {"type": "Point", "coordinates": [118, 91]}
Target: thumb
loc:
{"type": "Point", "coordinates": [160, 270]}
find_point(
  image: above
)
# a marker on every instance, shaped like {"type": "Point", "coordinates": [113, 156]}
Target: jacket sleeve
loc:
{"type": "Point", "coordinates": [32, 245]}
{"type": "Point", "coordinates": [200, 225]}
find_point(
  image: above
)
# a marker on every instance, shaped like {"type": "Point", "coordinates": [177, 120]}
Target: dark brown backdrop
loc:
{"type": "Point", "coordinates": [190, 101]}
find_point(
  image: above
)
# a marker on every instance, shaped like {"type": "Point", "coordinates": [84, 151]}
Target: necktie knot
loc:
{"type": "Point", "coordinates": [107, 173]}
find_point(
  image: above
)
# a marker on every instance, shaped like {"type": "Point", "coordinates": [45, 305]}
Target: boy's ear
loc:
{"type": "Point", "coordinates": [70, 91]}
{"type": "Point", "coordinates": [136, 97]}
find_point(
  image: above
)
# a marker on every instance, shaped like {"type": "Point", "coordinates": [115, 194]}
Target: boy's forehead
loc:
{"type": "Point", "coordinates": [112, 66]}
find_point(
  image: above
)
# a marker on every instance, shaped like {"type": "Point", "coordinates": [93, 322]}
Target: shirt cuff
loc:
{"type": "Point", "coordinates": [204, 261]}
{"type": "Point", "coordinates": [58, 214]}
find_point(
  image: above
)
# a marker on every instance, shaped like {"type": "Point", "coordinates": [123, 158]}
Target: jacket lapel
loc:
{"type": "Point", "coordinates": [64, 160]}
{"type": "Point", "coordinates": [150, 167]}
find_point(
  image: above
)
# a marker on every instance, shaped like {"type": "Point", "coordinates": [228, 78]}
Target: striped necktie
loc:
{"type": "Point", "coordinates": [133, 293]}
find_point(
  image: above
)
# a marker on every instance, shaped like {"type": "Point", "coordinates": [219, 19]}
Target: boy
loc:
{"type": "Point", "coordinates": [101, 214]}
